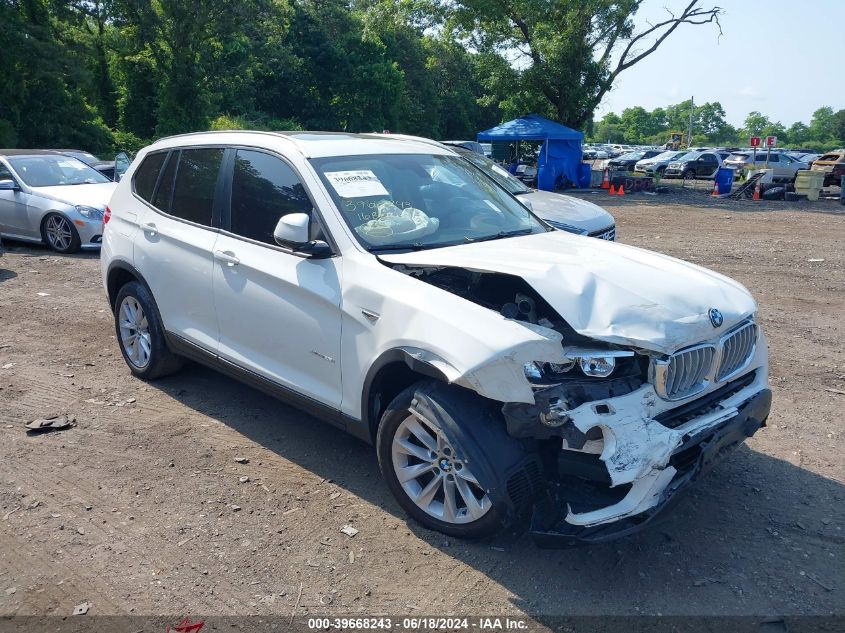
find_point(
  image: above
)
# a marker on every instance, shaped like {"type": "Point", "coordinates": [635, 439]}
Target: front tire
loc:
{"type": "Point", "coordinates": [428, 473]}
{"type": "Point", "coordinates": [689, 174]}
{"type": "Point", "coordinates": [59, 233]}
{"type": "Point", "coordinates": [140, 334]}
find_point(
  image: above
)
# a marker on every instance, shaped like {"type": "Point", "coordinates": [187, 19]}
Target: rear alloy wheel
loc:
{"type": "Point", "coordinates": [428, 474]}
{"type": "Point", "coordinates": [689, 174]}
{"type": "Point", "coordinates": [60, 234]}
{"type": "Point", "coordinates": [140, 333]}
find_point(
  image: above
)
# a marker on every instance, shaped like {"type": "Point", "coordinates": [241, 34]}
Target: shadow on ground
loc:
{"type": "Point", "coordinates": [738, 543]}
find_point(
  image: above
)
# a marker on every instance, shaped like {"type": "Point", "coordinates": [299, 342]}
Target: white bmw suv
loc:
{"type": "Point", "coordinates": [502, 369]}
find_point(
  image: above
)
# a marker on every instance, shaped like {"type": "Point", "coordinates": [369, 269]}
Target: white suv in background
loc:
{"type": "Point", "coordinates": [501, 368]}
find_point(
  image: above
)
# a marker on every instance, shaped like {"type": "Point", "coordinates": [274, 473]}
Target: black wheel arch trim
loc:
{"type": "Point", "coordinates": [125, 266]}
{"type": "Point", "coordinates": [389, 357]}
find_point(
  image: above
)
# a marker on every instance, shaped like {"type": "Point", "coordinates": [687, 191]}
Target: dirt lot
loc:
{"type": "Point", "coordinates": [141, 509]}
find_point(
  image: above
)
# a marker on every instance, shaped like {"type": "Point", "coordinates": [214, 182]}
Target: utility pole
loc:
{"type": "Point", "coordinates": [689, 131]}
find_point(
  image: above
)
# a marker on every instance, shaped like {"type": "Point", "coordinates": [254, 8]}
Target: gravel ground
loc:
{"type": "Point", "coordinates": [142, 507]}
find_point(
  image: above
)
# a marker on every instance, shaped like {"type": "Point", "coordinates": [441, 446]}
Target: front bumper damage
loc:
{"type": "Point", "coordinates": [552, 523]}
{"type": "Point", "coordinates": [618, 461]}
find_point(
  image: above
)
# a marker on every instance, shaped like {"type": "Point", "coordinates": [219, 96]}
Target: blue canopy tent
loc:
{"type": "Point", "coordinates": [560, 154]}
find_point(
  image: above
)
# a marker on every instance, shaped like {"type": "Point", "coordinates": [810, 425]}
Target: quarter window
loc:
{"type": "Point", "coordinates": [196, 180]}
{"type": "Point", "coordinates": [264, 188]}
{"type": "Point", "coordinates": [147, 175]}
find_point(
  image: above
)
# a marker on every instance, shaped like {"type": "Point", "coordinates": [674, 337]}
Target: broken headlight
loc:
{"type": "Point", "coordinates": [597, 366]}
{"type": "Point", "coordinates": [593, 363]}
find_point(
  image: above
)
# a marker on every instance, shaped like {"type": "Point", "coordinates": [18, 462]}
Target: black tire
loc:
{"type": "Point", "coordinates": [72, 245]}
{"type": "Point", "coordinates": [689, 174]}
{"type": "Point", "coordinates": [445, 405]}
{"type": "Point", "coordinates": [161, 361]}
{"type": "Point", "coordinates": [661, 171]}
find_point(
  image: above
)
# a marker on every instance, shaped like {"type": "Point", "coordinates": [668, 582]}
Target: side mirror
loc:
{"type": "Point", "coordinates": [9, 185]}
{"type": "Point", "coordinates": [294, 231]}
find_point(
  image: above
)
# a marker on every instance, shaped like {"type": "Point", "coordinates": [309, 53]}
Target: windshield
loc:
{"type": "Point", "coordinates": [496, 172]}
{"type": "Point", "coordinates": [49, 171]}
{"type": "Point", "coordinates": [632, 155]}
{"type": "Point", "coordinates": [85, 157]}
{"type": "Point", "coordinates": [415, 201]}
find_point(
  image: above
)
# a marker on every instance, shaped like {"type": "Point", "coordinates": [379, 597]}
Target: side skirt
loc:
{"type": "Point", "coordinates": [194, 352]}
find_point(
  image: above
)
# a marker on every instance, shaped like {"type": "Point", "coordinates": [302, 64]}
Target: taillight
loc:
{"type": "Point", "coordinates": [107, 216]}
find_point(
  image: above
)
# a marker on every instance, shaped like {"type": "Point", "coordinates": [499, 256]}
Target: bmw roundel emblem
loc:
{"type": "Point", "coordinates": [716, 317]}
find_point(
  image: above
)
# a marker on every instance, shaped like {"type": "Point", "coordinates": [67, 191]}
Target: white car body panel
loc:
{"type": "Point", "coordinates": [607, 291]}
{"type": "Point", "coordinates": [319, 326]}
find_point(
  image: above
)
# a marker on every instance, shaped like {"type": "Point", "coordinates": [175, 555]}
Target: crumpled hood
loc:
{"type": "Point", "coordinates": [569, 210]}
{"type": "Point", "coordinates": [95, 195]}
{"type": "Point", "coordinates": [606, 290]}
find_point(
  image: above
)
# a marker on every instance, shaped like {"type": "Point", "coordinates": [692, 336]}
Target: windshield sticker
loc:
{"type": "Point", "coordinates": [361, 183]}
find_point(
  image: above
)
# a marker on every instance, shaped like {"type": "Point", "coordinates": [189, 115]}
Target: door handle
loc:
{"type": "Point", "coordinates": [150, 228]}
{"type": "Point", "coordinates": [228, 257]}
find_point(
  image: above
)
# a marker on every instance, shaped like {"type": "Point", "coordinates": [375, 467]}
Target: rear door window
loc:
{"type": "Point", "coordinates": [264, 188]}
{"type": "Point", "coordinates": [195, 183]}
{"type": "Point", "coordinates": [147, 175]}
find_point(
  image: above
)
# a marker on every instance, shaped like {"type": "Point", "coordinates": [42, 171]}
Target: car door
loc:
{"type": "Point", "coordinates": [14, 208]}
{"type": "Point", "coordinates": [175, 242]}
{"type": "Point", "coordinates": [279, 313]}
{"type": "Point", "coordinates": [706, 165]}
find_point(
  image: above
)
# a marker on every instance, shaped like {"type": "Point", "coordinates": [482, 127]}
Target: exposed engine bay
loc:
{"type": "Point", "coordinates": [606, 449]}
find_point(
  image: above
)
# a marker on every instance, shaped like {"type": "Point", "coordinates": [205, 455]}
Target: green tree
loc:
{"type": "Point", "coordinates": [570, 52]}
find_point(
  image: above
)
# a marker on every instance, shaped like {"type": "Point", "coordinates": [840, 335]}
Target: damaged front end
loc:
{"type": "Point", "coordinates": [614, 431]}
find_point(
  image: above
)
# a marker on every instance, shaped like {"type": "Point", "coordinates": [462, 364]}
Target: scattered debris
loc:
{"type": "Point", "coordinates": [839, 391]}
{"type": "Point", "coordinates": [235, 508]}
{"type": "Point", "coordinates": [242, 460]}
{"type": "Point", "coordinates": [498, 549]}
{"type": "Point", "coordinates": [819, 582]}
{"type": "Point", "coordinates": [244, 479]}
{"type": "Point", "coordinates": [11, 590]}
{"type": "Point", "coordinates": [815, 261]}
{"type": "Point", "coordinates": [334, 495]}
{"type": "Point", "coordinates": [349, 530]}
{"type": "Point", "coordinates": [296, 605]}
{"type": "Point", "coordinates": [43, 294]}
{"type": "Point", "coordinates": [81, 609]}
{"type": "Point", "coordinates": [8, 365]}
{"type": "Point", "coordinates": [351, 557]}
{"type": "Point", "coordinates": [53, 423]}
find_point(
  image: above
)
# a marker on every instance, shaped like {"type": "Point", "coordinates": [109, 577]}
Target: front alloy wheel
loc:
{"type": "Point", "coordinates": [434, 475]}
{"type": "Point", "coordinates": [60, 234]}
{"type": "Point", "coordinates": [428, 472]}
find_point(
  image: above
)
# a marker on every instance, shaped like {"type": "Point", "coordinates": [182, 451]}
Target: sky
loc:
{"type": "Point", "coordinates": [783, 58]}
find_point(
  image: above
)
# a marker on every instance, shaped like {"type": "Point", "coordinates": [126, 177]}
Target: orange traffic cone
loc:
{"type": "Point", "coordinates": [621, 191]}
{"type": "Point", "coordinates": [605, 182]}
{"type": "Point", "coordinates": [612, 191]}
{"type": "Point", "coordinates": [715, 193]}
{"type": "Point", "coordinates": [757, 191]}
